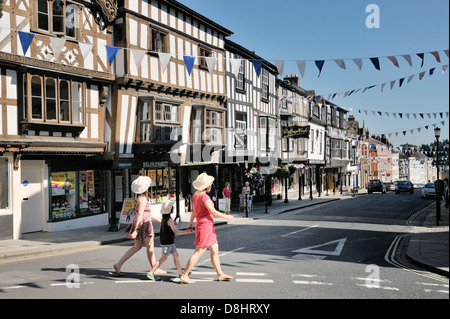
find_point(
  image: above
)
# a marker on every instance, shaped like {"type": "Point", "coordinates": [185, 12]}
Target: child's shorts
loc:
{"type": "Point", "coordinates": [168, 249]}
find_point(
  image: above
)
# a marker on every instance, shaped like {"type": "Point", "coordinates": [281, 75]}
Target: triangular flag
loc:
{"type": "Point", "coordinates": [382, 87]}
{"type": "Point", "coordinates": [85, 49]}
{"type": "Point", "coordinates": [25, 39]}
{"type": "Point", "coordinates": [211, 64]}
{"type": "Point", "coordinates": [421, 75]}
{"type": "Point", "coordinates": [189, 62]}
{"type": "Point", "coordinates": [410, 78]}
{"type": "Point", "coordinates": [444, 68]}
{"type": "Point", "coordinates": [408, 59]}
{"type": "Point", "coordinates": [401, 115]}
{"type": "Point", "coordinates": [57, 45]}
{"type": "Point", "coordinates": [376, 63]}
{"type": "Point", "coordinates": [446, 53]}
{"type": "Point", "coordinates": [138, 57]}
{"type": "Point", "coordinates": [111, 52]}
{"type": "Point", "coordinates": [392, 84]}
{"type": "Point", "coordinates": [280, 67]}
{"type": "Point", "coordinates": [341, 64]}
{"type": "Point", "coordinates": [401, 81]}
{"type": "Point", "coordinates": [432, 71]}
{"type": "Point", "coordinates": [257, 64]}
{"type": "Point", "coordinates": [358, 63]}
{"type": "Point", "coordinates": [235, 66]}
{"type": "Point", "coordinates": [164, 59]}
{"type": "Point", "coordinates": [422, 56]}
{"type": "Point", "coordinates": [319, 64]}
{"type": "Point", "coordinates": [301, 67]}
{"type": "Point", "coordinates": [436, 56]}
{"type": "Point", "coordinates": [394, 60]}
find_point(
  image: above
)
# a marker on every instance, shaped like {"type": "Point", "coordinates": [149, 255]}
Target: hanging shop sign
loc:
{"type": "Point", "coordinates": [295, 131]}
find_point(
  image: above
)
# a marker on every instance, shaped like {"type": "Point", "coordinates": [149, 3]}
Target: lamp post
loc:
{"type": "Point", "coordinates": [437, 133]}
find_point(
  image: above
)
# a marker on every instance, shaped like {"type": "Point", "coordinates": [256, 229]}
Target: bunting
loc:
{"type": "Point", "coordinates": [111, 52]}
{"type": "Point", "coordinates": [57, 45]}
{"type": "Point", "coordinates": [25, 40]}
{"type": "Point", "coordinates": [189, 61]}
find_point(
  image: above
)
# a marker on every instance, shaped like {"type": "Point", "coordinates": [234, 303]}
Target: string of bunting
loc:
{"type": "Point", "coordinates": [57, 44]}
{"type": "Point", "coordinates": [392, 83]}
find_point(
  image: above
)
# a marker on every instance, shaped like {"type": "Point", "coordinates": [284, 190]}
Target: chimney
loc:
{"type": "Point", "coordinates": [293, 79]}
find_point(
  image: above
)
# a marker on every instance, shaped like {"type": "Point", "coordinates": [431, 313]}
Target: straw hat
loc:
{"type": "Point", "coordinates": [166, 207]}
{"type": "Point", "coordinates": [141, 184]}
{"type": "Point", "coordinates": [203, 181]}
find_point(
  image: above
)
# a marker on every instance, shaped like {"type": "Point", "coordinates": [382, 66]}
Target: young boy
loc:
{"type": "Point", "coordinates": [167, 240]}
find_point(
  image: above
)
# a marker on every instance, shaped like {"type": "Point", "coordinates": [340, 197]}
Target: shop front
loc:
{"type": "Point", "coordinates": [77, 195]}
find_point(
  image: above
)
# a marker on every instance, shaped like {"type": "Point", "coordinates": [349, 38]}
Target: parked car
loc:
{"type": "Point", "coordinates": [376, 185]}
{"type": "Point", "coordinates": [419, 186]}
{"type": "Point", "coordinates": [390, 186]}
{"type": "Point", "coordinates": [404, 187]}
{"type": "Point", "coordinates": [429, 191]}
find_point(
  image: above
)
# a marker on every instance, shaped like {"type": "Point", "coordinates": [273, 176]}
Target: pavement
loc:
{"type": "Point", "coordinates": [428, 247]}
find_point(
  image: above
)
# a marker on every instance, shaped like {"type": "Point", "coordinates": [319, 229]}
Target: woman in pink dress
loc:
{"type": "Point", "coordinates": [142, 228]}
{"type": "Point", "coordinates": [205, 236]}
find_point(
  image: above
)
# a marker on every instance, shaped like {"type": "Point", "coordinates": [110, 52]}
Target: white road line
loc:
{"type": "Point", "coordinates": [378, 287]}
{"type": "Point", "coordinates": [299, 231]}
{"type": "Point", "coordinates": [307, 276]}
{"type": "Point", "coordinates": [305, 282]}
{"type": "Point", "coordinates": [260, 274]}
{"type": "Point", "coordinates": [441, 291]}
{"type": "Point", "coordinates": [134, 281]}
{"type": "Point", "coordinates": [260, 281]}
{"type": "Point", "coordinates": [13, 287]}
{"type": "Point", "coordinates": [371, 279]}
{"type": "Point", "coordinates": [65, 284]}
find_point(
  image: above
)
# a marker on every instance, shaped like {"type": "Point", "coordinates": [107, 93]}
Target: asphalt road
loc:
{"type": "Point", "coordinates": [349, 249]}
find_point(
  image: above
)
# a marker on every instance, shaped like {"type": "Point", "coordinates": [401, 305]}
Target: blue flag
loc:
{"type": "Point", "coordinates": [111, 52]}
{"type": "Point", "coordinates": [189, 61]}
{"type": "Point", "coordinates": [376, 63]}
{"type": "Point", "coordinates": [257, 64]}
{"type": "Point", "coordinates": [25, 39]}
{"type": "Point", "coordinates": [319, 65]}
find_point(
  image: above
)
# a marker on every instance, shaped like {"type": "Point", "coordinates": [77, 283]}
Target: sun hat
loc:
{"type": "Point", "coordinates": [166, 207]}
{"type": "Point", "coordinates": [141, 184]}
{"type": "Point", "coordinates": [203, 181]}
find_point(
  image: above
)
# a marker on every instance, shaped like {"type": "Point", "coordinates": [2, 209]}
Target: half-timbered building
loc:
{"type": "Point", "coordinates": [252, 135]}
{"type": "Point", "coordinates": [55, 114]}
{"type": "Point", "coordinates": [170, 95]}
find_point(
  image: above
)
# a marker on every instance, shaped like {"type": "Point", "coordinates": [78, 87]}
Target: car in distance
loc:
{"type": "Point", "coordinates": [375, 185]}
{"type": "Point", "coordinates": [429, 191]}
{"type": "Point", "coordinates": [404, 187]}
{"type": "Point", "coordinates": [391, 186]}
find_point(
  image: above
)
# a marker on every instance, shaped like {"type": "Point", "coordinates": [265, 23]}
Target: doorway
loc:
{"type": "Point", "coordinates": [32, 194]}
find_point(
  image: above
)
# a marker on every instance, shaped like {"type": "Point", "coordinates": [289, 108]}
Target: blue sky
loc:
{"type": "Point", "coordinates": [293, 30]}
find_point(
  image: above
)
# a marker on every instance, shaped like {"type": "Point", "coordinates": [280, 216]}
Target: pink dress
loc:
{"type": "Point", "coordinates": [146, 227]}
{"type": "Point", "coordinates": [205, 235]}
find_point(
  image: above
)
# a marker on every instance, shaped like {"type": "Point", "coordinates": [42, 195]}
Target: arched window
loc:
{"type": "Point", "coordinates": [58, 14]}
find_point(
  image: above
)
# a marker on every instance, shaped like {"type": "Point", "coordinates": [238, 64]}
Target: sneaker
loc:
{"type": "Point", "coordinates": [153, 277]}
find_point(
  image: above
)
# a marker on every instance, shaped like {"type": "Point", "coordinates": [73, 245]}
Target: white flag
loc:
{"type": "Point", "coordinates": [235, 66]}
{"type": "Point", "coordinates": [57, 45]}
{"type": "Point", "coordinates": [407, 57]}
{"type": "Point", "coordinates": [358, 63]}
{"type": "Point", "coordinates": [341, 64]}
{"type": "Point", "coordinates": [85, 48]}
{"type": "Point", "coordinates": [410, 78]}
{"type": "Point", "coordinates": [211, 63]}
{"type": "Point", "coordinates": [301, 67]}
{"type": "Point", "coordinates": [164, 59]}
{"type": "Point", "coordinates": [138, 57]}
{"type": "Point", "coordinates": [280, 66]}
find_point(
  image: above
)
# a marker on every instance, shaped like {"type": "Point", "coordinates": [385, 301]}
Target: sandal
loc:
{"type": "Point", "coordinates": [188, 282]}
{"type": "Point", "coordinates": [116, 272]}
{"type": "Point", "coordinates": [152, 277]}
{"type": "Point", "coordinates": [160, 272]}
{"type": "Point", "coordinates": [224, 278]}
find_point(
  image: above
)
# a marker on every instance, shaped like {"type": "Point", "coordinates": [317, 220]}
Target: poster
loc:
{"type": "Point", "coordinates": [63, 183]}
{"type": "Point", "coordinates": [127, 213]}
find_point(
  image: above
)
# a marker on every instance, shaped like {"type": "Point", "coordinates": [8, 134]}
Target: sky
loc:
{"type": "Point", "coordinates": [292, 30]}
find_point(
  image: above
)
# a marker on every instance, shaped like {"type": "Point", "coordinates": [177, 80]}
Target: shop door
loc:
{"type": "Point", "coordinates": [32, 197]}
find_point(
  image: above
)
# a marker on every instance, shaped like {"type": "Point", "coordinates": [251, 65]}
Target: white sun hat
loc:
{"type": "Point", "coordinates": [203, 181]}
{"type": "Point", "coordinates": [166, 207]}
{"type": "Point", "coordinates": [141, 184]}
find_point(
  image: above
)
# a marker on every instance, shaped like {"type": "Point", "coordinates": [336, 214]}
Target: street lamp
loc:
{"type": "Point", "coordinates": [437, 133]}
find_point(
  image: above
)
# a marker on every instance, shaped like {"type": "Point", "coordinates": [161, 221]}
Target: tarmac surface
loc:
{"type": "Point", "coordinates": [428, 248]}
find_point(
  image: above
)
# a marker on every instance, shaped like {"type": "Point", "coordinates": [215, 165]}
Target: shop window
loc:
{"type": "Point", "coordinates": [4, 183]}
{"type": "Point", "coordinates": [76, 194]}
{"type": "Point", "coordinates": [164, 182]}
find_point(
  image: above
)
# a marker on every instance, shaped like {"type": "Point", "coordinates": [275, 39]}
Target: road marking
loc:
{"type": "Point", "coordinates": [134, 281]}
{"type": "Point", "coordinates": [250, 274]}
{"type": "Point", "coordinates": [305, 282]}
{"type": "Point", "coordinates": [65, 284]}
{"type": "Point", "coordinates": [378, 287]}
{"type": "Point", "coordinates": [14, 287]}
{"type": "Point", "coordinates": [308, 257]}
{"type": "Point", "coordinates": [260, 281]}
{"type": "Point", "coordinates": [312, 249]}
{"type": "Point", "coordinates": [299, 231]}
{"type": "Point", "coordinates": [371, 279]}
{"type": "Point", "coordinates": [307, 276]}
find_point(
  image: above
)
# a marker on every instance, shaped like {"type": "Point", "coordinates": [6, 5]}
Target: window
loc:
{"type": "Point", "coordinates": [312, 141]}
{"type": "Point", "coordinates": [197, 120]}
{"type": "Point", "coordinates": [240, 82]}
{"type": "Point", "coordinates": [158, 128]}
{"type": "Point", "coordinates": [4, 183]}
{"type": "Point", "coordinates": [265, 85]}
{"type": "Point", "coordinates": [214, 126]}
{"type": "Point", "coordinates": [58, 17]}
{"type": "Point", "coordinates": [204, 52]}
{"type": "Point", "coordinates": [53, 100]}
{"type": "Point", "coordinates": [267, 134]}
{"type": "Point", "coordinates": [159, 41]}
